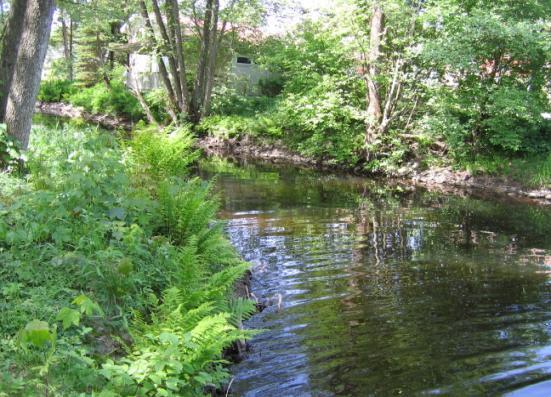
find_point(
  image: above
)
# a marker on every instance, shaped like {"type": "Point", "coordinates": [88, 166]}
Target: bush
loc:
{"type": "Point", "coordinates": [322, 122]}
{"type": "Point", "coordinates": [114, 99]}
{"type": "Point", "coordinates": [108, 287]}
{"type": "Point", "coordinates": [227, 101]}
{"type": "Point", "coordinates": [272, 86]}
{"type": "Point", "coordinates": [233, 126]}
{"type": "Point", "coordinates": [55, 90]}
{"type": "Point", "coordinates": [10, 152]}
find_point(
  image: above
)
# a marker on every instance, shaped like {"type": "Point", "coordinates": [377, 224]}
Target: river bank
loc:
{"type": "Point", "coordinates": [443, 179]}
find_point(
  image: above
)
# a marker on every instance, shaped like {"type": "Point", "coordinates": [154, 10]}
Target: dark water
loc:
{"type": "Point", "coordinates": [388, 292]}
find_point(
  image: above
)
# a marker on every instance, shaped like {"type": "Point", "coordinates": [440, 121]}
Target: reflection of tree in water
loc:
{"type": "Point", "coordinates": [439, 295]}
{"type": "Point", "coordinates": [394, 291]}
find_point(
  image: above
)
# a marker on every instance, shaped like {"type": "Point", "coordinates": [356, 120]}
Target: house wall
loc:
{"type": "Point", "coordinates": [245, 77]}
{"type": "Point", "coordinates": [145, 75]}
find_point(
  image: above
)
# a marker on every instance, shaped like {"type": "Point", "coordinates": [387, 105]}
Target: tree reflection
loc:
{"type": "Point", "coordinates": [392, 291]}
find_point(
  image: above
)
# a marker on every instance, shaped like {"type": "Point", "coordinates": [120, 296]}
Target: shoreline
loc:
{"type": "Point", "coordinates": [442, 179]}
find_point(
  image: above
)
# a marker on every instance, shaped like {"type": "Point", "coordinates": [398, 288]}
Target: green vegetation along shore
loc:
{"type": "Point", "coordinates": [116, 280]}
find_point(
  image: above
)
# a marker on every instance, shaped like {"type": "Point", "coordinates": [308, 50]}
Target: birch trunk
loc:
{"type": "Point", "coordinates": [28, 69]}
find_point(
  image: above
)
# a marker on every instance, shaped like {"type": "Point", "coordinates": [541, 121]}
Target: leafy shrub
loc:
{"type": "Point", "coordinates": [322, 122]}
{"type": "Point", "coordinates": [114, 99]}
{"type": "Point", "coordinates": [55, 90]}
{"type": "Point", "coordinates": [158, 103]}
{"type": "Point", "coordinates": [233, 126]}
{"type": "Point", "coordinates": [10, 152]}
{"type": "Point", "coordinates": [162, 154]}
{"type": "Point", "coordinates": [109, 287]}
{"type": "Point", "coordinates": [227, 101]}
{"type": "Point", "coordinates": [271, 87]}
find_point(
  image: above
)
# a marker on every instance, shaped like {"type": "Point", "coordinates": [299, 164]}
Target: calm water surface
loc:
{"type": "Point", "coordinates": [388, 292]}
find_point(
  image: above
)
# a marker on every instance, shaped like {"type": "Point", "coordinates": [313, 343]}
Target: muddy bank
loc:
{"type": "Point", "coordinates": [61, 109]}
{"type": "Point", "coordinates": [446, 179]}
{"type": "Point", "coordinates": [437, 179]}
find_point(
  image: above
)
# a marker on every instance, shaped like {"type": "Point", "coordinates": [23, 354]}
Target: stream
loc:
{"type": "Point", "coordinates": [385, 290]}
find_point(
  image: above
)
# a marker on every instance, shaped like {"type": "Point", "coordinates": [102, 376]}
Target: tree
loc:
{"type": "Point", "coordinates": [210, 22]}
{"type": "Point", "coordinates": [374, 112]}
{"type": "Point", "coordinates": [25, 80]}
{"type": "Point", "coordinates": [491, 59]}
{"type": "Point", "coordinates": [388, 63]}
{"type": "Point", "coordinates": [11, 37]}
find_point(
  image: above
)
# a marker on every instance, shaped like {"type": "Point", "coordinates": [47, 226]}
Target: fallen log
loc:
{"type": "Point", "coordinates": [61, 109]}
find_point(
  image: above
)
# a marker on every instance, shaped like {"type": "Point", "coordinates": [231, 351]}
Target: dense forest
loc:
{"type": "Point", "coordinates": [116, 279]}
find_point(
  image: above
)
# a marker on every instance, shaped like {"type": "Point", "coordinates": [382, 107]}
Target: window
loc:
{"type": "Point", "coordinates": [244, 60]}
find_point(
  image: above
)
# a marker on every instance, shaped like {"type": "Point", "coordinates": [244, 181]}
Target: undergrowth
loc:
{"type": "Point", "coordinates": [116, 280]}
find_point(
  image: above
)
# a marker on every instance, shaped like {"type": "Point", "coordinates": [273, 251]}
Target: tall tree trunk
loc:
{"type": "Point", "coordinates": [71, 73]}
{"type": "Point", "coordinates": [174, 20]}
{"type": "Point", "coordinates": [168, 51]}
{"type": "Point", "coordinates": [374, 112]}
{"type": "Point", "coordinates": [66, 33]}
{"type": "Point", "coordinates": [173, 103]}
{"type": "Point", "coordinates": [199, 86]}
{"type": "Point", "coordinates": [11, 39]}
{"type": "Point", "coordinates": [28, 68]}
{"type": "Point", "coordinates": [215, 40]}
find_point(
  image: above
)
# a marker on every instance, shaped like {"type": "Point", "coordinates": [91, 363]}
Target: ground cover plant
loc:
{"type": "Point", "coordinates": [116, 279]}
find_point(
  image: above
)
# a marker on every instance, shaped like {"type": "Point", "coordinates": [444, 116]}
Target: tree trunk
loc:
{"type": "Point", "coordinates": [168, 51]}
{"type": "Point", "coordinates": [215, 40]}
{"type": "Point", "coordinates": [374, 112]}
{"type": "Point", "coordinates": [28, 68]}
{"type": "Point", "coordinates": [71, 45]}
{"type": "Point", "coordinates": [66, 33]}
{"type": "Point", "coordinates": [174, 20]}
{"type": "Point", "coordinates": [173, 103]}
{"type": "Point", "coordinates": [11, 38]}
{"type": "Point", "coordinates": [199, 86]}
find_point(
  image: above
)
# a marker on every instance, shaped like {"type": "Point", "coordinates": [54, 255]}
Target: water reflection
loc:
{"type": "Point", "coordinates": [387, 291]}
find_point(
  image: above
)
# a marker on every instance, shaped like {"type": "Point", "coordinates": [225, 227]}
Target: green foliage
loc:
{"type": "Point", "coordinates": [162, 154]}
{"type": "Point", "coordinates": [271, 87]}
{"type": "Point", "coordinates": [227, 101]}
{"type": "Point", "coordinates": [97, 270]}
{"type": "Point", "coordinates": [113, 99]}
{"type": "Point", "coordinates": [232, 126]}
{"type": "Point", "coordinates": [322, 122]}
{"type": "Point", "coordinates": [317, 111]}
{"type": "Point", "coordinates": [10, 152]}
{"type": "Point", "coordinates": [55, 90]}
{"type": "Point", "coordinates": [496, 57]}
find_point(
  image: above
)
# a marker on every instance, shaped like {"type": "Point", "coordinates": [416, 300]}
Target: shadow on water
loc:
{"type": "Point", "coordinates": [387, 291]}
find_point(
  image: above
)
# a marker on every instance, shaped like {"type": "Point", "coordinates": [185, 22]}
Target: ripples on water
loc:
{"type": "Point", "coordinates": [386, 292]}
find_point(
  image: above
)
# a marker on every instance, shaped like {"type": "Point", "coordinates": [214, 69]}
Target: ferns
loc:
{"type": "Point", "coordinates": [139, 239]}
{"type": "Point", "coordinates": [158, 155]}
{"type": "Point", "coordinates": [179, 353]}
{"type": "Point", "coordinates": [186, 209]}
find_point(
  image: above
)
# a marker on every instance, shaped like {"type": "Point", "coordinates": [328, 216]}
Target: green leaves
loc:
{"type": "Point", "coordinates": [68, 317]}
{"type": "Point", "coordinates": [89, 250]}
{"type": "Point", "coordinates": [36, 333]}
{"type": "Point", "coordinates": [88, 306]}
